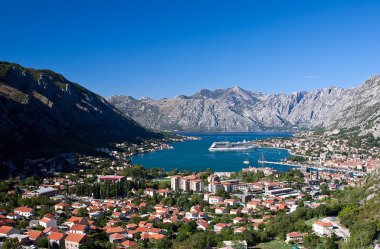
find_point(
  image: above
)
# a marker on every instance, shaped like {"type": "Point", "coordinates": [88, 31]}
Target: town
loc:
{"type": "Point", "coordinates": [110, 203]}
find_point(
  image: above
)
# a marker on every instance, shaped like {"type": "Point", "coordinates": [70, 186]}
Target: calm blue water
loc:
{"type": "Point", "coordinates": [195, 156]}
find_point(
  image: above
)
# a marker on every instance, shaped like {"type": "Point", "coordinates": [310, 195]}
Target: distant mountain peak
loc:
{"type": "Point", "coordinates": [236, 109]}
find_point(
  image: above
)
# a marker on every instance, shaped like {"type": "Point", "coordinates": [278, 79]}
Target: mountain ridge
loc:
{"type": "Point", "coordinates": [41, 110]}
{"type": "Point", "coordinates": [237, 109]}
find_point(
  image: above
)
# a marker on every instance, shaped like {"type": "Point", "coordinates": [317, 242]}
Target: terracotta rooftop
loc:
{"type": "Point", "coordinates": [76, 238]}
{"type": "Point", "coordinates": [56, 236]}
{"type": "Point", "coordinates": [34, 234]}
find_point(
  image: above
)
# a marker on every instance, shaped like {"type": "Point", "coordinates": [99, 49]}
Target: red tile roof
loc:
{"type": "Point", "coordinates": [76, 238]}
{"type": "Point", "coordinates": [24, 209]}
{"type": "Point", "coordinates": [5, 229]}
{"type": "Point", "coordinates": [56, 236]}
{"type": "Point", "coordinates": [34, 234]}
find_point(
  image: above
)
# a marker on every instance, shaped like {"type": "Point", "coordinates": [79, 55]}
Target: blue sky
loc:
{"type": "Point", "coordinates": [164, 48]}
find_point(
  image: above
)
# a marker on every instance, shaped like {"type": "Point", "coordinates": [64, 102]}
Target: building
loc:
{"type": "Point", "coordinates": [176, 183]}
{"type": "Point", "coordinates": [294, 237]}
{"type": "Point", "coordinates": [6, 231]}
{"type": "Point", "coordinates": [111, 178]}
{"type": "Point", "coordinates": [196, 185]}
{"type": "Point", "coordinates": [48, 221]}
{"type": "Point", "coordinates": [322, 228]}
{"type": "Point", "coordinates": [24, 211]}
{"type": "Point", "coordinates": [78, 229]}
{"type": "Point", "coordinates": [188, 183]}
{"type": "Point", "coordinates": [214, 186]}
{"type": "Point", "coordinates": [35, 235]}
{"type": "Point", "coordinates": [185, 184]}
{"type": "Point", "coordinates": [280, 191]}
{"type": "Point", "coordinates": [129, 243]}
{"type": "Point", "coordinates": [214, 199]}
{"type": "Point", "coordinates": [62, 206]}
{"type": "Point", "coordinates": [73, 241]}
{"type": "Point", "coordinates": [42, 191]}
{"type": "Point", "coordinates": [117, 238]}
{"type": "Point", "coordinates": [56, 239]}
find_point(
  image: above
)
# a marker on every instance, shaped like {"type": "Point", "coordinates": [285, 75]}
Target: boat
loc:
{"type": "Point", "coordinates": [246, 162]}
{"type": "Point", "coordinates": [261, 159]}
{"type": "Point", "coordinates": [230, 146]}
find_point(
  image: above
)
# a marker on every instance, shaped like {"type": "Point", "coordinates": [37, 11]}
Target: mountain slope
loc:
{"type": "Point", "coordinates": [42, 112]}
{"type": "Point", "coordinates": [236, 109]}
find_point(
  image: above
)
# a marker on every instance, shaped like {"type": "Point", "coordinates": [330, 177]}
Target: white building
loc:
{"type": "Point", "coordinates": [322, 228]}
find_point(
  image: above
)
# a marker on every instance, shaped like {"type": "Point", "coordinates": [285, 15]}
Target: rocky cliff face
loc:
{"type": "Point", "coordinates": [236, 109]}
{"type": "Point", "coordinates": [41, 111]}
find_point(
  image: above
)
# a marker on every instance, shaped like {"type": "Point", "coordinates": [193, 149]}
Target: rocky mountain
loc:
{"type": "Point", "coordinates": [236, 109]}
{"type": "Point", "coordinates": [41, 112]}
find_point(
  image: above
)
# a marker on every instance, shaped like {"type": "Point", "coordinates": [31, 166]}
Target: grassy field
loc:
{"type": "Point", "coordinates": [161, 180]}
{"type": "Point", "coordinates": [275, 244]}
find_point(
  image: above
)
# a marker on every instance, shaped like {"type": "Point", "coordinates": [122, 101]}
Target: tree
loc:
{"type": "Point", "coordinates": [163, 243]}
{"type": "Point", "coordinates": [11, 244]}
{"type": "Point", "coordinates": [311, 241]}
{"type": "Point", "coordinates": [43, 243]}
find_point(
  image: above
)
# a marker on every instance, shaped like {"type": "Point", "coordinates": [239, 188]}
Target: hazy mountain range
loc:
{"type": "Point", "coordinates": [237, 109]}
{"type": "Point", "coordinates": [42, 112]}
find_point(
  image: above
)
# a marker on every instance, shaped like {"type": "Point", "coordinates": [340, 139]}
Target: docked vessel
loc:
{"type": "Point", "coordinates": [229, 146]}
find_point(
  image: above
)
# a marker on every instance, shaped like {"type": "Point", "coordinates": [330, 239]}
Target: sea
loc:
{"type": "Point", "coordinates": [194, 154]}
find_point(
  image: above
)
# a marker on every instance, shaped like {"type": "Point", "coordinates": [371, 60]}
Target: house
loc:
{"type": "Point", "coordinates": [22, 239]}
{"type": "Point", "coordinates": [214, 199]}
{"type": "Point", "coordinates": [56, 239]}
{"type": "Point", "coordinates": [111, 178]}
{"type": "Point", "coordinates": [4, 221]}
{"type": "Point", "coordinates": [78, 229]}
{"type": "Point", "coordinates": [237, 220]}
{"type": "Point", "coordinates": [117, 229]}
{"type": "Point", "coordinates": [234, 211]}
{"type": "Point", "coordinates": [62, 206]}
{"type": "Point", "coordinates": [322, 228]}
{"type": "Point", "coordinates": [253, 204]}
{"type": "Point", "coordinates": [218, 227]}
{"type": "Point", "coordinates": [129, 243]}
{"type": "Point", "coordinates": [77, 220]}
{"type": "Point", "coordinates": [35, 235]}
{"type": "Point", "coordinates": [73, 241]}
{"type": "Point", "coordinates": [294, 237]}
{"type": "Point", "coordinates": [230, 202]}
{"type": "Point", "coordinates": [13, 216]}
{"type": "Point", "coordinates": [24, 211]}
{"type": "Point", "coordinates": [240, 230]}
{"type": "Point", "coordinates": [202, 224]}
{"type": "Point", "coordinates": [48, 221]}
{"type": "Point", "coordinates": [117, 238]}
{"type": "Point", "coordinates": [6, 231]}
{"type": "Point", "coordinates": [221, 210]}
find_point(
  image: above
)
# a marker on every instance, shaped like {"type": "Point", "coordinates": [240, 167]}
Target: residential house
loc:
{"type": "Point", "coordinates": [294, 237]}
{"type": "Point", "coordinates": [56, 239]}
{"type": "Point", "coordinates": [6, 231]}
{"type": "Point", "coordinates": [74, 241]}
{"type": "Point", "coordinates": [322, 228]}
{"type": "Point", "coordinates": [24, 211]}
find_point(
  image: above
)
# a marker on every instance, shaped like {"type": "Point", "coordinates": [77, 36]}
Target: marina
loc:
{"type": "Point", "coordinates": [195, 155]}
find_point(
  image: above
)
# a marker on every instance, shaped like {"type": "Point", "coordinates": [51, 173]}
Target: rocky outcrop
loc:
{"type": "Point", "coordinates": [236, 109]}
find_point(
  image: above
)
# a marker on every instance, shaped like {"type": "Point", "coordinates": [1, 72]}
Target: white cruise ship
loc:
{"type": "Point", "coordinates": [228, 146]}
